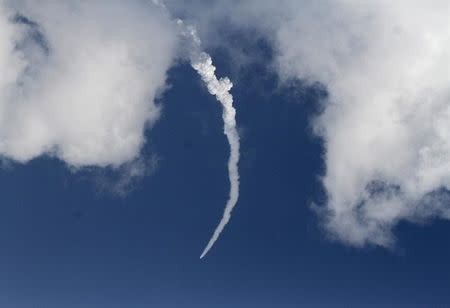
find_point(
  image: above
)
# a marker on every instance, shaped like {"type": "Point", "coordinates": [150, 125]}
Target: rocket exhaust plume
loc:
{"type": "Point", "coordinates": [220, 88]}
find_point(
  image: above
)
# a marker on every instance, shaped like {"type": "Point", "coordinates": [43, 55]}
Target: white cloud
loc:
{"type": "Point", "coordinates": [80, 83]}
{"type": "Point", "coordinates": [386, 124]}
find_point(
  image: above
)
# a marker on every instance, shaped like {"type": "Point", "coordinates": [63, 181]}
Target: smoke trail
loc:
{"type": "Point", "coordinates": [220, 88]}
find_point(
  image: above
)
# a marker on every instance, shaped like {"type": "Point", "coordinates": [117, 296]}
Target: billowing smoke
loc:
{"type": "Point", "coordinates": [220, 88]}
{"type": "Point", "coordinates": [79, 78]}
{"type": "Point", "coordinates": [386, 124]}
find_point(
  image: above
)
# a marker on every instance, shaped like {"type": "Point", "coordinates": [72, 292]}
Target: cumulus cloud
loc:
{"type": "Point", "coordinates": [386, 123]}
{"type": "Point", "coordinates": [79, 79]}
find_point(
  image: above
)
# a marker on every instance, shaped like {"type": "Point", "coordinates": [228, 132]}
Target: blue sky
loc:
{"type": "Point", "coordinates": [74, 233]}
{"type": "Point", "coordinates": [65, 243]}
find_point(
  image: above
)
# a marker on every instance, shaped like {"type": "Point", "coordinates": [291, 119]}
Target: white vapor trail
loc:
{"type": "Point", "coordinates": [220, 88]}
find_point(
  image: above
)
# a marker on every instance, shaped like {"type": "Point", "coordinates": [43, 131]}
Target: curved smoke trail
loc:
{"type": "Point", "coordinates": [220, 88]}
